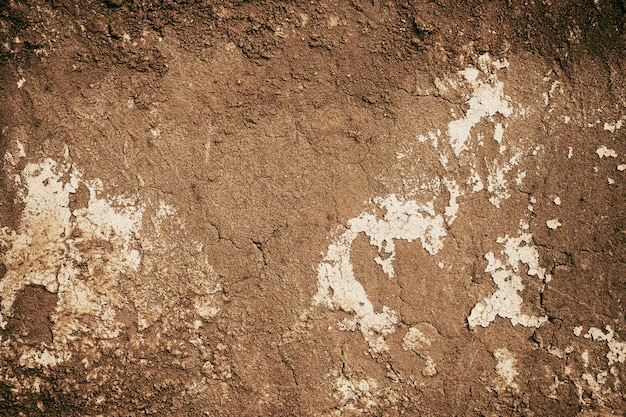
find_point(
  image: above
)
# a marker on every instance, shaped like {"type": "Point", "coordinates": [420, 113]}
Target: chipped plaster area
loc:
{"type": "Point", "coordinates": [597, 375]}
{"type": "Point", "coordinates": [87, 256]}
{"type": "Point", "coordinates": [486, 100]}
{"type": "Point", "coordinates": [420, 339]}
{"type": "Point", "coordinates": [338, 288]}
{"type": "Point", "coordinates": [506, 302]}
{"type": "Point", "coordinates": [604, 152]}
{"type": "Point", "coordinates": [458, 144]}
{"type": "Point", "coordinates": [505, 368]}
{"type": "Point", "coordinates": [361, 395]}
{"type": "Point", "coordinates": [617, 350]}
{"type": "Point", "coordinates": [53, 243]}
{"type": "Point", "coordinates": [414, 217]}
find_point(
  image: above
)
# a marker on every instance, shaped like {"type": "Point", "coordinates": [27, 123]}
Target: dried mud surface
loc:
{"type": "Point", "coordinates": [312, 208]}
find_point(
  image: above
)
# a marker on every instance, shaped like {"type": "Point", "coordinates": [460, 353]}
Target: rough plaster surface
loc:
{"type": "Point", "coordinates": [362, 208]}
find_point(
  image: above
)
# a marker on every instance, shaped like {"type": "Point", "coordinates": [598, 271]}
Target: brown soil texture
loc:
{"type": "Point", "coordinates": [323, 208]}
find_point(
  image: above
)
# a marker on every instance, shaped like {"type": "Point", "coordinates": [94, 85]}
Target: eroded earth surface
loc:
{"type": "Point", "coordinates": [312, 209]}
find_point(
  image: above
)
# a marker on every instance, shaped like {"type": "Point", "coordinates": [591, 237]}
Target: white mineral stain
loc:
{"type": "Point", "coordinates": [20, 82]}
{"type": "Point", "coordinates": [487, 99]}
{"type": "Point", "coordinates": [82, 255]}
{"type": "Point", "coordinates": [497, 184]}
{"type": "Point", "coordinates": [577, 330]}
{"type": "Point", "coordinates": [553, 224]}
{"type": "Point", "coordinates": [604, 152]}
{"type": "Point", "coordinates": [416, 341]}
{"type": "Point", "coordinates": [621, 167]}
{"type": "Point", "coordinates": [505, 368]}
{"type": "Point", "coordinates": [557, 201]}
{"type": "Point", "coordinates": [610, 181]}
{"type": "Point", "coordinates": [34, 358]}
{"type": "Point", "coordinates": [612, 127]}
{"type": "Point", "coordinates": [337, 286]}
{"type": "Point", "coordinates": [475, 181]}
{"type": "Point", "coordinates": [452, 209]}
{"type": "Point", "coordinates": [506, 302]}
{"type": "Point", "coordinates": [47, 247]}
{"type": "Point", "coordinates": [585, 357]}
{"type": "Point", "coordinates": [617, 350]}
{"type": "Point", "coordinates": [360, 395]}
{"type": "Point", "coordinates": [570, 152]}
{"type": "Point", "coordinates": [498, 133]}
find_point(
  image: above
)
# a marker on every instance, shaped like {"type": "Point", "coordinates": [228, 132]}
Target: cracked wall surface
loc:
{"type": "Point", "coordinates": [324, 209]}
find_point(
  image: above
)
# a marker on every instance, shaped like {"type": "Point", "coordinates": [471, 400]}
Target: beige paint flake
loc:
{"type": "Point", "coordinates": [506, 301]}
{"type": "Point", "coordinates": [497, 184]}
{"type": "Point", "coordinates": [487, 99]}
{"type": "Point", "coordinates": [82, 255]}
{"type": "Point", "coordinates": [51, 240]}
{"type": "Point", "coordinates": [360, 395]}
{"type": "Point", "coordinates": [578, 330]}
{"type": "Point", "coordinates": [553, 224]}
{"type": "Point", "coordinates": [612, 127]}
{"type": "Point", "coordinates": [415, 340]}
{"type": "Point", "coordinates": [505, 368]}
{"type": "Point", "coordinates": [352, 393]}
{"type": "Point", "coordinates": [338, 288]}
{"type": "Point", "coordinates": [604, 152]}
{"type": "Point", "coordinates": [617, 350]}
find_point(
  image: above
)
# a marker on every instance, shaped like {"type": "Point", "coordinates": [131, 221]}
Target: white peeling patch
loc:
{"type": "Point", "coordinates": [553, 224]}
{"type": "Point", "coordinates": [20, 82]}
{"type": "Point", "coordinates": [497, 184]}
{"type": "Point", "coordinates": [337, 286]}
{"type": "Point", "coordinates": [498, 133]}
{"type": "Point", "coordinates": [610, 181]}
{"type": "Point", "coordinates": [361, 392]}
{"type": "Point", "coordinates": [416, 341]}
{"type": "Point", "coordinates": [577, 330]}
{"type": "Point", "coordinates": [21, 153]}
{"type": "Point", "coordinates": [604, 152]}
{"type": "Point", "coordinates": [612, 127]}
{"type": "Point", "coordinates": [475, 181]}
{"type": "Point", "coordinates": [557, 200]}
{"type": "Point", "coordinates": [361, 395]}
{"type": "Point", "coordinates": [621, 167]}
{"type": "Point", "coordinates": [505, 368]}
{"type": "Point", "coordinates": [453, 207]}
{"type": "Point", "coordinates": [84, 254]}
{"type": "Point", "coordinates": [35, 358]}
{"type": "Point", "coordinates": [617, 350]}
{"type": "Point", "coordinates": [585, 357]}
{"type": "Point", "coordinates": [570, 152]}
{"type": "Point", "coordinates": [51, 240]}
{"type": "Point", "coordinates": [506, 302]}
{"type": "Point", "coordinates": [486, 100]}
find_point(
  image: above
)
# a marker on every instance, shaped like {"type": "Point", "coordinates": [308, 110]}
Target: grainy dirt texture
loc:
{"type": "Point", "coordinates": [325, 208]}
